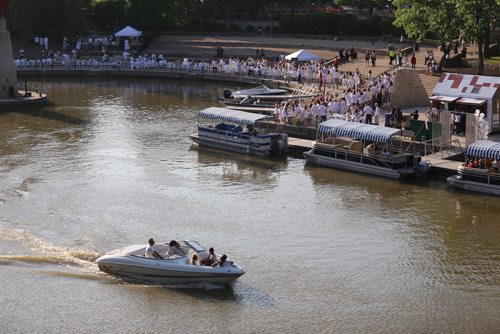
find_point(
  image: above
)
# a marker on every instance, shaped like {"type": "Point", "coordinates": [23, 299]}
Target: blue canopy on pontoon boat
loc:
{"type": "Point", "coordinates": [229, 115]}
{"type": "Point", "coordinates": [368, 132]}
{"type": "Point", "coordinates": [486, 149]}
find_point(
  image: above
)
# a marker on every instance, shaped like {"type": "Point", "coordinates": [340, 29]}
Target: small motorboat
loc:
{"type": "Point", "coordinates": [130, 263]}
{"type": "Point", "coordinates": [261, 90]}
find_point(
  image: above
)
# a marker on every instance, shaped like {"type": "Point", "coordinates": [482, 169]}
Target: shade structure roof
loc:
{"type": "Point", "coordinates": [367, 132]}
{"type": "Point", "coordinates": [474, 102]}
{"type": "Point", "coordinates": [444, 98]}
{"type": "Point", "coordinates": [485, 149]}
{"type": "Point", "coordinates": [128, 31]}
{"type": "Point", "coordinates": [229, 115]}
{"type": "Point", "coordinates": [302, 55]}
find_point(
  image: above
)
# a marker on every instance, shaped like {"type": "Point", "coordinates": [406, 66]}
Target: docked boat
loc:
{"type": "Point", "coordinates": [484, 180]}
{"type": "Point", "coordinates": [130, 263]}
{"type": "Point", "coordinates": [364, 148]}
{"type": "Point", "coordinates": [250, 105]}
{"type": "Point", "coordinates": [223, 128]}
{"type": "Point", "coordinates": [261, 90]}
{"type": "Point", "coordinates": [266, 95]}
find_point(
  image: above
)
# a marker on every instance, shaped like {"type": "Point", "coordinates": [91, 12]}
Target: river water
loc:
{"type": "Point", "coordinates": [325, 251]}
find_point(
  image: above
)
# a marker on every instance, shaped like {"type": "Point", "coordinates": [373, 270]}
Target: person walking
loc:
{"type": "Point", "coordinates": [413, 61]}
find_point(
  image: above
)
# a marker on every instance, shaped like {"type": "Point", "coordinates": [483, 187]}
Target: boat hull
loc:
{"type": "Point", "coordinates": [163, 272]}
{"type": "Point", "coordinates": [357, 167]}
{"type": "Point", "coordinates": [254, 145]}
{"type": "Point", "coordinates": [455, 181]}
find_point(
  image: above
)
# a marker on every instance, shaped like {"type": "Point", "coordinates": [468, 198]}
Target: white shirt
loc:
{"type": "Point", "coordinates": [149, 251]}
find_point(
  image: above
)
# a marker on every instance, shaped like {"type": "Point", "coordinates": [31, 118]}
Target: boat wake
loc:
{"type": "Point", "coordinates": [41, 251]}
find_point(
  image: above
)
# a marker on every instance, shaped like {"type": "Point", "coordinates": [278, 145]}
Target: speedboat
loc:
{"type": "Point", "coordinates": [129, 262]}
{"type": "Point", "coordinates": [261, 90]}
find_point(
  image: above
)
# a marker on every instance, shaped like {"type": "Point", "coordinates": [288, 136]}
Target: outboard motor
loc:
{"type": "Point", "coordinates": [422, 168]}
{"type": "Point", "coordinates": [227, 94]}
{"type": "Point", "coordinates": [279, 144]}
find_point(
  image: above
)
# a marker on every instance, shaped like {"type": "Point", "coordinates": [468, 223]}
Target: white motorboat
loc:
{"type": "Point", "coordinates": [130, 262]}
{"type": "Point", "coordinates": [261, 90]}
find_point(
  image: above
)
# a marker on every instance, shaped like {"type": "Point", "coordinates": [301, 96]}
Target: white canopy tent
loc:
{"type": "Point", "coordinates": [128, 31]}
{"type": "Point", "coordinates": [303, 55]}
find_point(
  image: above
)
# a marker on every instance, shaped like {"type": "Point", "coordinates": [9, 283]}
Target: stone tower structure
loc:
{"type": "Point", "coordinates": [408, 91]}
{"type": "Point", "coordinates": [8, 75]}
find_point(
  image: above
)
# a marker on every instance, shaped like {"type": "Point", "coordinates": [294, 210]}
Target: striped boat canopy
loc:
{"type": "Point", "coordinates": [485, 149]}
{"type": "Point", "coordinates": [235, 116]}
{"type": "Point", "coordinates": [368, 132]}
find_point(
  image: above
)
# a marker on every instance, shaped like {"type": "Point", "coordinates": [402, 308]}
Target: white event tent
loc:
{"type": "Point", "coordinates": [128, 31]}
{"type": "Point", "coordinates": [302, 55]}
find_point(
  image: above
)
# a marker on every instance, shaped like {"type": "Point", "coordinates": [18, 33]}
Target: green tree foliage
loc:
{"type": "Point", "coordinates": [478, 17]}
{"type": "Point", "coordinates": [158, 14]}
{"type": "Point", "coordinates": [469, 20]}
{"type": "Point", "coordinates": [54, 18]}
{"type": "Point", "coordinates": [108, 14]}
{"type": "Point", "coordinates": [336, 23]}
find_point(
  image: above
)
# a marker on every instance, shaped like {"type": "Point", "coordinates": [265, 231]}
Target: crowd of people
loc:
{"type": "Point", "coordinates": [361, 101]}
{"type": "Point", "coordinates": [488, 164]}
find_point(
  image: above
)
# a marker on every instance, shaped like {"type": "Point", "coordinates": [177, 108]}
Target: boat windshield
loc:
{"type": "Point", "coordinates": [196, 246]}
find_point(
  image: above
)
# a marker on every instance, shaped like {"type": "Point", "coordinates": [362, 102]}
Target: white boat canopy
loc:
{"type": "Point", "coordinates": [485, 149]}
{"type": "Point", "coordinates": [230, 115]}
{"type": "Point", "coordinates": [367, 132]}
{"type": "Point", "coordinates": [303, 55]}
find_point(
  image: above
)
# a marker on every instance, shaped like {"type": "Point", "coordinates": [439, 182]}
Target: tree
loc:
{"type": "Point", "coordinates": [158, 14]}
{"type": "Point", "coordinates": [450, 19]}
{"type": "Point", "coordinates": [54, 18]}
{"type": "Point", "coordinates": [478, 16]}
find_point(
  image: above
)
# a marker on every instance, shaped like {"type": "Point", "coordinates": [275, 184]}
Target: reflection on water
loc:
{"type": "Point", "coordinates": [110, 163]}
{"type": "Point", "coordinates": [238, 169]}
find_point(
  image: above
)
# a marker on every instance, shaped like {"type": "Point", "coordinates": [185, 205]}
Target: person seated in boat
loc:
{"type": "Point", "coordinates": [251, 130]}
{"type": "Point", "coordinates": [194, 260]}
{"type": "Point", "coordinates": [496, 165]}
{"type": "Point", "coordinates": [173, 249]}
{"type": "Point", "coordinates": [151, 251]}
{"type": "Point", "coordinates": [385, 152]}
{"type": "Point", "coordinates": [211, 259]}
{"type": "Point", "coordinates": [481, 164]}
{"type": "Point", "coordinates": [222, 262]}
{"type": "Point", "coordinates": [370, 149]}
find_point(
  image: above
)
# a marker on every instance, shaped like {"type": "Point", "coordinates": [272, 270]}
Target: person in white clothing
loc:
{"type": "Point", "coordinates": [377, 114]}
{"type": "Point", "coordinates": [368, 111]}
{"type": "Point", "coordinates": [151, 251]}
{"type": "Point", "coordinates": [172, 249]}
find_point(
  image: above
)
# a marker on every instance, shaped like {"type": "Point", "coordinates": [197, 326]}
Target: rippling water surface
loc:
{"type": "Point", "coordinates": [111, 164]}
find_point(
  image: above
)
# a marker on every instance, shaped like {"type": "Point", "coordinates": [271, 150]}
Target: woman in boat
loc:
{"type": "Point", "coordinates": [194, 260]}
{"type": "Point", "coordinates": [173, 250]}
